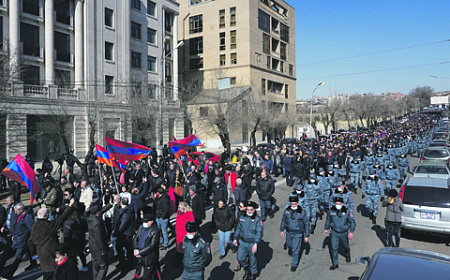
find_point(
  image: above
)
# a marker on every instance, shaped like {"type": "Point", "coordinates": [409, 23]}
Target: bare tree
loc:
{"type": "Point", "coordinates": [423, 95]}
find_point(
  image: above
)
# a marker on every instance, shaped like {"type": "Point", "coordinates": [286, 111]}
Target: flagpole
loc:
{"type": "Point", "coordinates": [114, 176]}
{"type": "Point", "coordinates": [99, 174]}
{"type": "Point", "coordinates": [182, 170]}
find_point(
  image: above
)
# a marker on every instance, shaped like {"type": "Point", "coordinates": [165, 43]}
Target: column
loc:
{"type": "Point", "coordinates": [49, 43]}
{"type": "Point", "coordinates": [14, 36]}
{"type": "Point", "coordinates": [175, 57]}
{"type": "Point", "coordinates": [79, 43]}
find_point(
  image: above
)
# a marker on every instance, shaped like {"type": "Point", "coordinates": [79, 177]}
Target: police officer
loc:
{"type": "Point", "coordinates": [312, 190]}
{"type": "Point", "coordinates": [369, 161]}
{"type": "Point", "coordinates": [249, 233]}
{"type": "Point", "coordinates": [392, 176]}
{"type": "Point", "coordinates": [342, 191]}
{"type": "Point", "coordinates": [197, 253]}
{"type": "Point", "coordinates": [403, 166]}
{"type": "Point", "coordinates": [340, 220]}
{"type": "Point", "coordinates": [355, 169]}
{"type": "Point", "coordinates": [325, 188]}
{"type": "Point", "coordinates": [374, 190]}
{"type": "Point", "coordinates": [296, 223]}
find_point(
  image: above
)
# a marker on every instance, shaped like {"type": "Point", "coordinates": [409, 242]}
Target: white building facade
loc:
{"type": "Point", "coordinates": [79, 58]}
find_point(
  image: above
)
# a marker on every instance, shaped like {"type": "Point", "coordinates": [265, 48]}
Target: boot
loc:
{"type": "Point", "coordinates": [246, 274]}
{"type": "Point", "coordinates": [348, 258]}
{"type": "Point", "coordinates": [374, 220]}
{"type": "Point", "coordinates": [313, 227]}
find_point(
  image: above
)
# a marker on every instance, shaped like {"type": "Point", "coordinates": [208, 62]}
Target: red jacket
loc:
{"type": "Point", "coordinates": [180, 227]}
{"type": "Point", "coordinates": [233, 180]}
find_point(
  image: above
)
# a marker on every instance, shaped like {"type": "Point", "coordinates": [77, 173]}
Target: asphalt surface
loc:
{"type": "Point", "coordinates": [273, 260]}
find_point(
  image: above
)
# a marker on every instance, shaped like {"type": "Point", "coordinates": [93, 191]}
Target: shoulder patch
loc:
{"type": "Point", "coordinates": [351, 214]}
{"type": "Point", "coordinates": [203, 241]}
{"type": "Point", "coordinates": [261, 222]}
{"type": "Point", "coordinates": [208, 250]}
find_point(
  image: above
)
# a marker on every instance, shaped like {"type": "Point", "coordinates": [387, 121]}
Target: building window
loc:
{"type": "Point", "coordinates": [233, 81]}
{"type": "Point", "coordinates": [135, 30]}
{"type": "Point", "coordinates": [167, 48]}
{"type": "Point", "coordinates": [196, 46]}
{"type": "Point", "coordinates": [196, 24]}
{"type": "Point", "coordinates": [62, 9]}
{"type": "Point", "coordinates": [275, 63]}
{"type": "Point", "coordinates": [196, 63]}
{"type": "Point", "coordinates": [286, 92]}
{"type": "Point", "coordinates": [31, 75]}
{"type": "Point", "coordinates": [204, 111]}
{"type": "Point", "coordinates": [62, 47]}
{"type": "Point", "coordinates": [151, 63]}
{"type": "Point", "coordinates": [281, 66]}
{"type": "Point", "coordinates": [151, 8]}
{"type": "Point", "coordinates": [29, 38]}
{"type": "Point", "coordinates": [168, 21]}
{"type": "Point", "coordinates": [109, 17]}
{"type": "Point", "coordinates": [222, 45]}
{"type": "Point", "coordinates": [244, 133]}
{"type": "Point", "coordinates": [233, 58]}
{"type": "Point", "coordinates": [258, 58]}
{"type": "Point", "coordinates": [109, 50]}
{"type": "Point", "coordinates": [136, 60]}
{"type": "Point", "coordinates": [62, 78]}
{"type": "Point", "coordinates": [284, 33]}
{"type": "Point", "coordinates": [109, 81]}
{"type": "Point", "coordinates": [222, 59]}
{"type": "Point", "coordinates": [233, 39]}
{"type": "Point", "coordinates": [283, 51]}
{"type": "Point", "coordinates": [168, 71]}
{"type": "Point", "coordinates": [1, 33]}
{"type": "Point", "coordinates": [233, 16]}
{"type": "Point", "coordinates": [151, 36]}
{"type": "Point", "coordinates": [30, 7]}
{"type": "Point", "coordinates": [274, 87]}
{"type": "Point", "coordinates": [291, 70]}
{"type": "Point", "coordinates": [268, 61]}
{"type": "Point", "coordinates": [264, 21]}
{"type": "Point", "coordinates": [266, 43]}
{"type": "Point", "coordinates": [136, 4]}
{"type": "Point", "coordinates": [222, 18]}
{"type": "Point", "coordinates": [151, 91]}
{"type": "Point", "coordinates": [263, 86]}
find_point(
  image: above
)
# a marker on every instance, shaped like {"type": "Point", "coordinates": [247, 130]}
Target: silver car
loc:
{"type": "Point", "coordinates": [432, 170]}
{"type": "Point", "coordinates": [436, 154]}
{"type": "Point", "coordinates": [427, 205]}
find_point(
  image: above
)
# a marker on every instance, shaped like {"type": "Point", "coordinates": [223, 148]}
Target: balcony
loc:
{"type": "Point", "coordinates": [36, 91]}
{"type": "Point", "coordinates": [67, 93]}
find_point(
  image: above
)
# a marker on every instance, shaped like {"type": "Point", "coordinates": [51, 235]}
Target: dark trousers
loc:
{"type": "Point", "coordinates": [151, 272]}
{"type": "Point", "coordinates": [100, 267]}
{"type": "Point", "coordinates": [47, 275]}
{"type": "Point", "coordinates": [294, 242]}
{"type": "Point", "coordinates": [289, 178]}
{"type": "Point", "coordinates": [393, 229]}
{"type": "Point", "coordinates": [124, 241]}
{"type": "Point", "coordinates": [336, 239]}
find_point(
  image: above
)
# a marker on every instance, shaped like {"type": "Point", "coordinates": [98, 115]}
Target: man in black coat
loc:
{"type": "Point", "coordinates": [145, 245]}
{"type": "Point", "coordinates": [299, 169]}
{"type": "Point", "coordinates": [124, 230]}
{"type": "Point", "coordinates": [265, 187]}
{"type": "Point", "coordinates": [162, 210]}
{"type": "Point", "coordinates": [196, 202]}
{"type": "Point", "coordinates": [14, 189]}
{"type": "Point", "coordinates": [155, 180]}
{"type": "Point", "coordinates": [98, 242]}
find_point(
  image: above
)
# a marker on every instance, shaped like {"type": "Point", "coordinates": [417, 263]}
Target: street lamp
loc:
{"type": "Point", "coordinates": [163, 85]}
{"type": "Point", "coordinates": [312, 98]}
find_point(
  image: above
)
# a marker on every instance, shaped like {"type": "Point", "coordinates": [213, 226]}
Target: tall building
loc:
{"type": "Point", "coordinates": [242, 44]}
{"type": "Point", "coordinates": [112, 61]}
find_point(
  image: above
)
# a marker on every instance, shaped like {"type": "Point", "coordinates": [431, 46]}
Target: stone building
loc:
{"type": "Point", "coordinates": [86, 59]}
{"type": "Point", "coordinates": [236, 44]}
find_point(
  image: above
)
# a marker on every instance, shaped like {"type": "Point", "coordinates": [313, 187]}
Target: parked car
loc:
{"type": "Point", "coordinates": [436, 154]}
{"type": "Point", "coordinates": [196, 155]}
{"type": "Point", "coordinates": [427, 205]}
{"type": "Point", "coordinates": [290, 141]}
{"type": "Point", "coordinates": [432, 170]}
{"type": "Point", "coordinates": [438, 143]}
{"type": "Point", "coordinates": [266, 145]}
{"type": "Point", "coordinates": [405, 264]}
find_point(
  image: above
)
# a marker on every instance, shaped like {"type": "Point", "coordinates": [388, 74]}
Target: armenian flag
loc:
{"type": "Point", "coordinates": [120, 150]}
{"type": "Point", "coordinates": [103, 157]}
{"type": "Point", "coordinates": [182, 146]}
{"type": "Point", "coordinates": [19, 170]}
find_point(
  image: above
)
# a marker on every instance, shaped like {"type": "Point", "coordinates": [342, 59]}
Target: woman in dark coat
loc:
{"type": "Point", "coordinates": [66, 263]}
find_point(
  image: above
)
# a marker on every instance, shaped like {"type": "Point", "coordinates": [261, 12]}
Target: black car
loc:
{"type": "Point", "coordinates": [266, 145]}
{"type": "Point", "coordinates": [405, 264]}
{"type": "Point", "coordinates": [290, 141]}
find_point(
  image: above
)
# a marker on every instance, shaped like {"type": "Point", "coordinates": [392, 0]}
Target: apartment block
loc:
{"type": "Point", "coordinates": [246, 44]}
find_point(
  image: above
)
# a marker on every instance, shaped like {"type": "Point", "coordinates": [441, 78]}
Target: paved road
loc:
{"type": "Point", "coordinates": [274, 262]}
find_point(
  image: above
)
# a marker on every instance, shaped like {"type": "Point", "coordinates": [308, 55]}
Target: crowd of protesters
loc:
{"type": "Point", "coordinates": [127, 215]}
